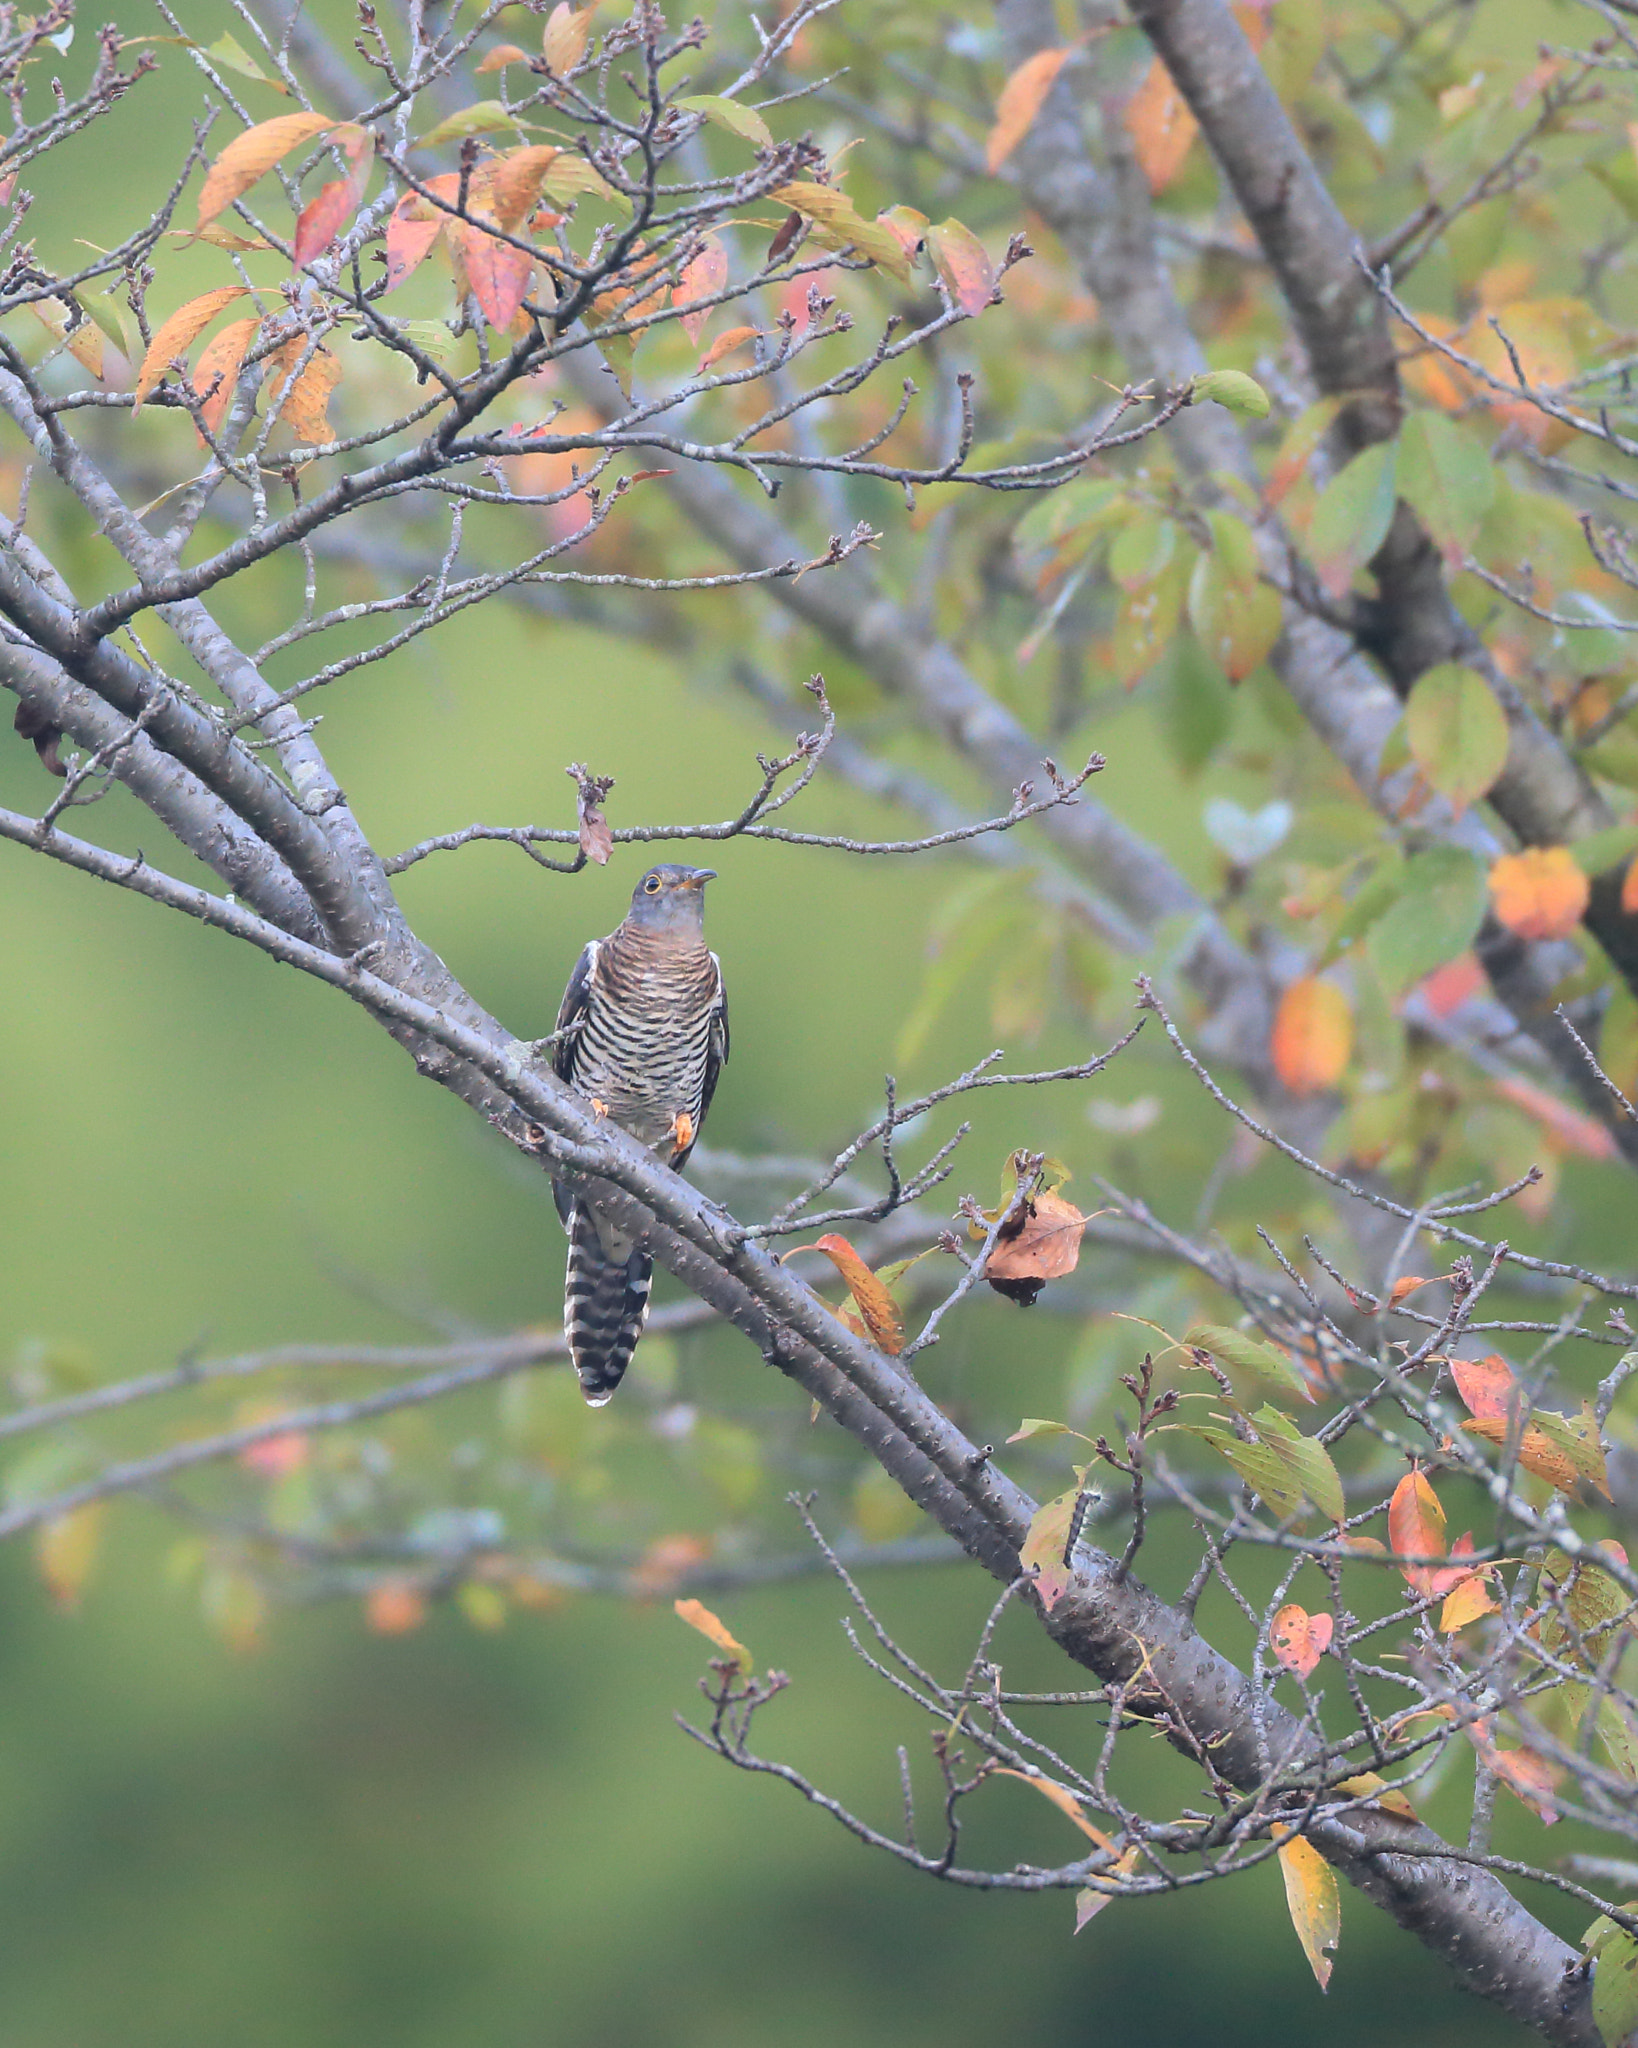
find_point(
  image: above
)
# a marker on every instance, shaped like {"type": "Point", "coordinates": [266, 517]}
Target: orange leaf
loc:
{"type": "Point", "coordinates": [1486, 1385]}
{"type": "Point", "coordinates": [1416, 1528]}
{"type": "Point", "coordinates": [700, 1617]}
{"type": "Point", "coordinates": [1539, 893]}
{"type": "Point", "coordinates": [1313, 1035]}
{"type": "Point", "coordinates": [1300, 1639]}
{"type": "Point", "coordinates": [502, 55]}
{"type": "Point", "coordinates": [1569, 1128]}
{"type": "Point", "coordinates": [1404, 1287]}
{"type": "Point", "coordinates": [395, 1606]}
{"type": "Point", "coordinates": [1629, 889]}
{"type": "Point", "coordinates": [1020, 102]}
{"type": "Point", "coordinates": [963, 264]}
{"type": "Point", "coordinates": [302, 398]}
{"type": "Point", "coordinates": [1063, 1799]}
{"type": "Point", "coordinates": [725, 344]}
{"type": "Point", "coordinates": [252, 155]}
{"type": "Point", "coordinates": [415, 226]}
{"type": "Point", "coordinates": [220, 362]}
{"type": "Point", "coordinates": [1546, 1449]}
{"type": "Point", "coordinates": [1527, 1776]}
{"type": "Point", "coordinates": [1466, 1601]}
{"type": "Point", "coordinates": [511, 187]}
{"type": "Point", "coordinates": [564, 42]}
{"type": "Point", "coordinates": [1160, 125]}
{"type": "Point", "coordinates": [667, 1560]}
{"type": "Point", "coordinates": [1045, 1246]}
{"type": "Point", "coordinates": [703, 276]}
{"type": "Point", "coordinates": [1312, 1898]}
{"type": "Point", "coordinates": [875, 1302]}
{"type": "Point", "coordinates": [178, 334]}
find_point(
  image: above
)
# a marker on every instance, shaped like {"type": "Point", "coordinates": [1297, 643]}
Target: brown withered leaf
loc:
{"type": "Point", "coordinates": [1044, 1244]}
{"type": "Point", "coordinates": [30, 725]}
{"type": "Point", "coordinates": [596, 839]}
{"type": "Point", "coordinates": [789, 228]}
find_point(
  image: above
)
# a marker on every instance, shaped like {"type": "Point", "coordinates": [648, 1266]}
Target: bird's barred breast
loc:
{"type": "Point", "coordinates": [646, 1041]}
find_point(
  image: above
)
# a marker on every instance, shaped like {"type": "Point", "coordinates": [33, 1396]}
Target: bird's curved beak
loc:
{"type": "Point", "coordinates": [698, 877]}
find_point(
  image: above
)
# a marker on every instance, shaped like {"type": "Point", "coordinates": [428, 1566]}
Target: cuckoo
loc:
{"type": "Point", "coordinates": [643, 1032]}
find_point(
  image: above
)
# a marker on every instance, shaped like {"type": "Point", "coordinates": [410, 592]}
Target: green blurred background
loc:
{"type": "Point", "coordinates": [499, 1837]}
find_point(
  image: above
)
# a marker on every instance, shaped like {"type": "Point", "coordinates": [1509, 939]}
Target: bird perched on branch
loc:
{"type": "Point", "coordinates": [642, 1031]}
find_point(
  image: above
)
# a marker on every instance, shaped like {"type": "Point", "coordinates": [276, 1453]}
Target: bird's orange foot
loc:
{"type": "Point", "coordinates": [600, 1107]}
{"type": "Point", "coordinates": [682, 1130]}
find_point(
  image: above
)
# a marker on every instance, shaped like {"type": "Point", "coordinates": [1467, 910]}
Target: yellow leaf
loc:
{"type": "Point", "coordinates": [1465, 1603]}
{"type": "Point", "coordinates": [699, 1616]}
{"type": "Point", "coordinates": [1020, 102]}
{"type": "Point", "coordinates": [1064, 1800]}
{"type": "Point", "coordinates": [1314, 1902]}
{"type": "Point", "coordinates": [65, 1549]}
{"type": "Point", "coordinates": [1089, 1901]}
{"type": "Point", "coordinates": [1044, 1547]}
{"type": "Point", "coordinates": [178, 334]}
{"type": "Point", "coordinates": [252, 155]}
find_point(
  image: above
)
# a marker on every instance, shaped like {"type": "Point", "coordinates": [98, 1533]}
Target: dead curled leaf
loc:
{"type": "Point", "coordinates": [879, 1314]}
{"type": "Point", "coordinates": [1042, 1243]}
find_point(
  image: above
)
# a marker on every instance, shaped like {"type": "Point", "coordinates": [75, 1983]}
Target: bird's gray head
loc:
{"type": "Point", "coordinates": [671, 898]}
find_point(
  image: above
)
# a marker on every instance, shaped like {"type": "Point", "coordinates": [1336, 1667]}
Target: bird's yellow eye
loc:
{"type": "Point", "coordinates": [651, 884]}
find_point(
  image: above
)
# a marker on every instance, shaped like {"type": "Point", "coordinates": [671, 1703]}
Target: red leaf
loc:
{"type": "Point", "coordinates": [415, 226]}
{"type": "Point", "coordinates": [322, 220]}
{"type": "Point", "coordinates": [498, 274]}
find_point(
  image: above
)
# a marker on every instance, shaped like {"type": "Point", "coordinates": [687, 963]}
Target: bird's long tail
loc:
{"type": "Point", "coordinates": [605, 1305]}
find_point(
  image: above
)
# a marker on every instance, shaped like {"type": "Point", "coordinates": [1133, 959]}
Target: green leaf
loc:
{"type": "Point", "coordinates": [1448, 478]}
{"type": "Point", "coordinates": [1231, 388]}
{"type": "Point", "coordinates": [1435, 915]}
{"type": "Point", "coordinates": [1142, 550]}
{"type": "Point", "coordinates": [1236, 616]}
{"type": "Point", "coordinates": [1595, 853]}
{"type": "Point", "coordinates": [233, 56]}
{"type": "Point", "coordinates": [1269, 1371]}
{"type": "Point", "coordinates": [1457, 731]}
{"type": "Point", "coordinates": [1268, 1466]}
{"type": "Point", "coordinates": [1034, 1425]}
{"type": "Point", "coordinates": [744, 122]}
{"type": "Point", "coordinates": [1352, 517]}
{"type": "Point", "coordinates": [1147, 621]}
{"type": "Point", "coordinates": [486, 117]}
{"type": "Point", "coordinates": [1309, 1458]}
{"type": "Point", "coordinates": [1197, 707]}
{"type": "Point", "coordinates": [1615, 1976]}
